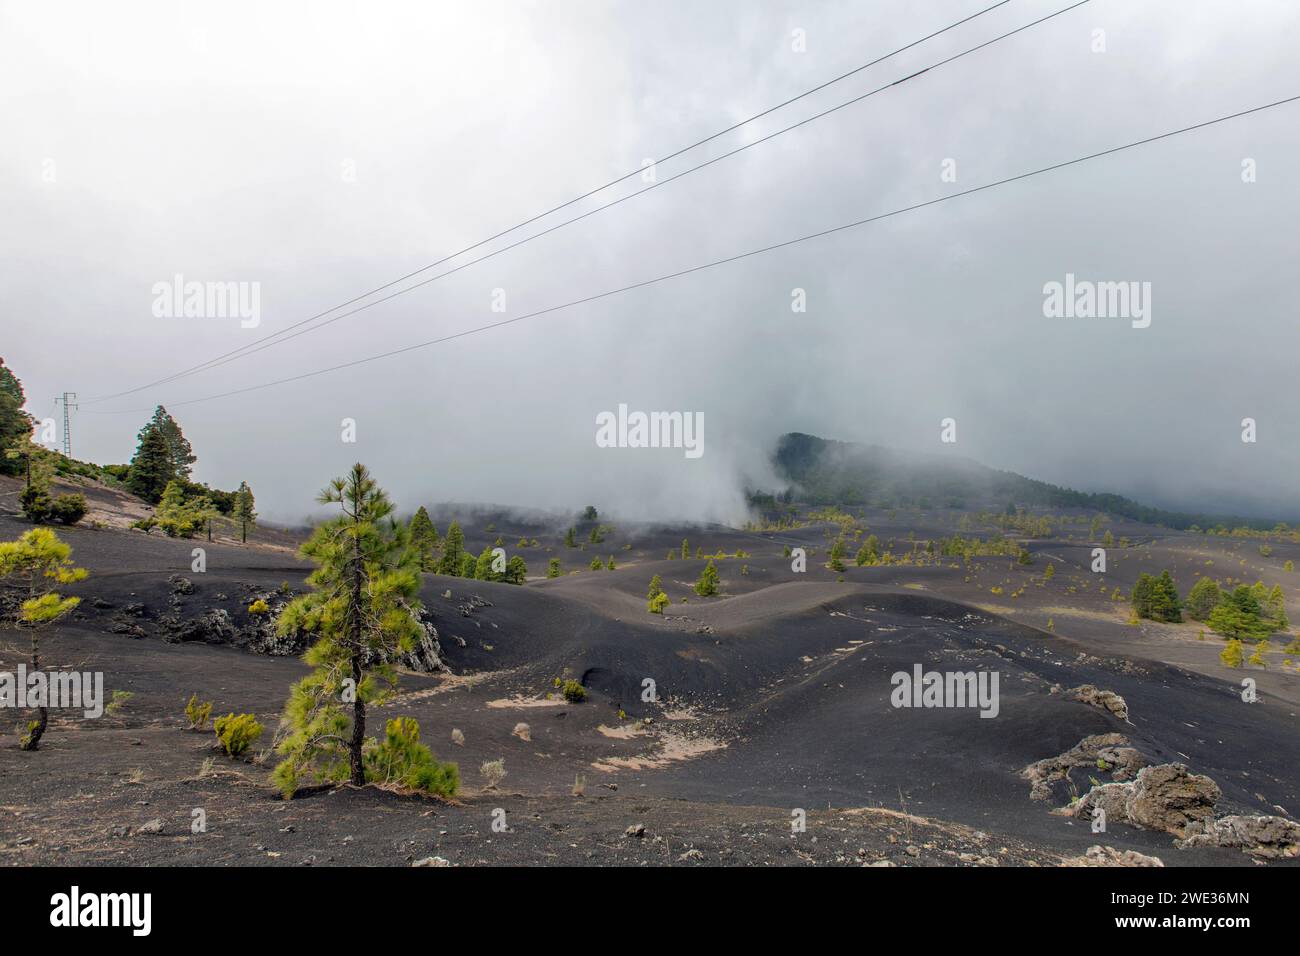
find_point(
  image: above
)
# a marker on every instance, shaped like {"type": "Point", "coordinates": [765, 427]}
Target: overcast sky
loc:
{"type": "Point", "coordinates": [322, 149]}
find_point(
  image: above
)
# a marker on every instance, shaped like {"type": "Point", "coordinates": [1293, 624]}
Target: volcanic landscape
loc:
{"type": "Point", "coordinates": [767, 736]}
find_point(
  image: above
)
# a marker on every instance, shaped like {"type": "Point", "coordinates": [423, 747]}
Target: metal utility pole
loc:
{"type": "Point", "coordinates": [68, 400]}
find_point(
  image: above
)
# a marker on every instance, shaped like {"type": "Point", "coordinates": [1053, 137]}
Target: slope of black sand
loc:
{"type": "Point", "coordinates": [771, 672]}
{"type": "Point", "coordinates": [828, 735]}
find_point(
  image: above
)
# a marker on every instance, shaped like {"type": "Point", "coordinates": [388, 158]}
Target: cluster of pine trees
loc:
{"type": "Point", "coordinates": [159, 473]}
{"type": "Point", "coordinates": [1156, 598]}
{"type": "Point", "coordinates": [446, 554]}
{"type": "Point", "coordinates": [1250, 612]}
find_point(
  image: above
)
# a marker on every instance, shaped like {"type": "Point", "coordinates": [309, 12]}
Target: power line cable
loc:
{"type": "Point", "coordinates": [736, 258]}
{"type": "Point", "coordinates": [253, 348]}
{"type": "Point", "coordinates": [526, 222]}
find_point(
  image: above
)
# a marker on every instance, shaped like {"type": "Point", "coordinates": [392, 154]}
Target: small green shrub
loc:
{"type": "Point", "coordinates": [198, 713]}
{"type": "Point", "coordinates": [35, 503]}
{"type": "Point", "coordinates": [117, 702]}
{"type": "Point", "coordinates": [68, 509]}
{"type": "Point", "coordinates": [237, 732]}
{"type": "Point", "coordinates": [259, 607]}
{"type": "Point", "coordinates": [574, 692]}
{"type": "Point", "coordinates": [401, 761]}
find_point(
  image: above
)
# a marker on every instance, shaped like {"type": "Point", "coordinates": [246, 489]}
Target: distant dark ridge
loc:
{"type": "Point", "coordinates": [847, 473]}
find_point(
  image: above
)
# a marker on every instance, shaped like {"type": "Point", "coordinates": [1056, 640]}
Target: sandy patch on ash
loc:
{"type": "Point", "coordinates": [523, 702]}
{"type": "Point", "coordinates": [671, 748]}
{"type": "Point", "coordinates": [625, 732]}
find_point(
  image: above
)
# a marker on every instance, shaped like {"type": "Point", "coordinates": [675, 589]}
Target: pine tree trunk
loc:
{"type": "Point", "coordinates": [32, 740]}
{"type": "Point", "coordinates": [358, 705]}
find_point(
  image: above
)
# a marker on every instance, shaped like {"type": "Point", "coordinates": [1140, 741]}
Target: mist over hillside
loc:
{"type": "Point", "coordinates": [823, 471]}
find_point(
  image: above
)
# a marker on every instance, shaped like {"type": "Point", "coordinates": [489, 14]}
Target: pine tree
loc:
{"type": "Point", "coordinates": [15, 424]}
{"type": "Point", "coordinates": [151, 469]}
{"type": "Point", "coordinates": [609, 565]}
{"type": "Point", "coordinates": [516, 570]}
{"type": "Point", "coordinates": [1203, 598]}
{"type": "Point", "coordinates": [553, 568]}
{"type": "Point", "coordinates": [656, 586]}
{"type": "Point", "coordinates": [1275, 608]}
{"type": "Point", "coordinates": [707, 585]}
{"type": "Point", "coordinates": [244, 512]}
{"type": "Point", "coordinates": [1238, 616]}
{"type": "Point", "coordinates": [483, 566]}
{"type": "Point", "coordinates": [38, 562]}
{"type": "Point", "coordinates": [570, 538]}
{"type": "Point", "coordinates": [1049, 572]}
{"type": "Point", "coordinates": [424, 539]}
{"type": "Point", "coordinates": [453, 551]}
{"type": "Point", "coordinates": [178, 448]}
{"type": "Point", "coordinates": [1141, 595]}
{"type": "Point", "coordinates": [364, 612]}
{"type": "Point", "coordinates": [686, 550]}
{"type": "Point", "coordinates": [836, 562]}
{"type": "Point", "coordinates": [1165, 604]}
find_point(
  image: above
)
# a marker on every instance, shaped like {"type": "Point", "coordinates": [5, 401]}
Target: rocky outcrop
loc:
{"type": "Point", "coordinates": [426, 655]}
{"type": "Point", "coordinates": [1109, 753]}
{"type": "Point", "coordinates": [1094, 696]}
{"type": "Point", "coordinates": [248, 618]}
{"type": "Point", "coordinates": [471, 605]}
{"type": "Point", "coordinates": [1266, 837]}
{"type": "Point", "coordinates": [211, 627]}
{"type": "Point", "coordinates": [1110, 798]}
{"type": "Point", "coordinates": [1166, 797]}
{"type": "Point", "coordinates": [1109, 856]}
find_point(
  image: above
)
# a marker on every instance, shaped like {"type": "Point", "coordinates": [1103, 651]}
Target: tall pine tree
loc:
{"type": "Point", "coordinates": [364, 611]}
{"type": "Point", "coordinates": [453, 552]}
{"type": "Point", "coordinates": [178, 448]}
{"type": "Point", "coordinates": [424, 539]}
{"type": "Point", "coordinates": [151, 468]}
{"type": "Point", "coordinates": [15, 424]}
{"type": "Point", "coordinates": [243, 510]}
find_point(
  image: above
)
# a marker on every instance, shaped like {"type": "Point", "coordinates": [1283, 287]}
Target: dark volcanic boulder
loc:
{"type": "Point", "coordinates": [212, 627]}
